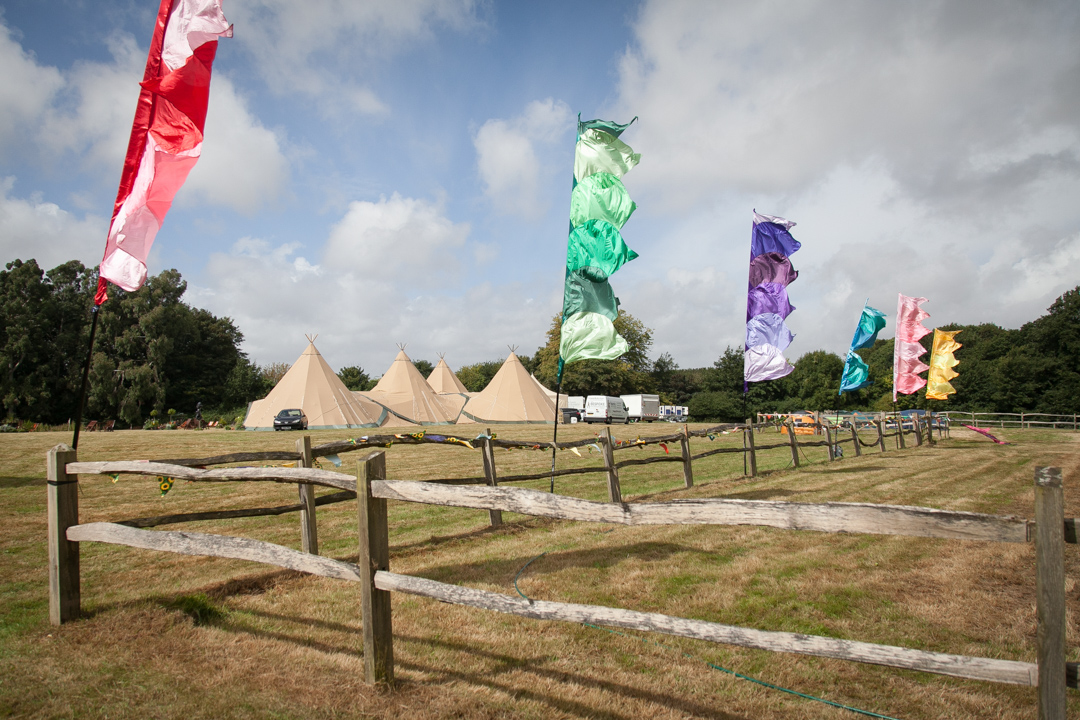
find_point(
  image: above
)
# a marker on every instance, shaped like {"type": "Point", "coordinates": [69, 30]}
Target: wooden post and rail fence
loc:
{"type": "Point", "coordinates": [1050, 531]}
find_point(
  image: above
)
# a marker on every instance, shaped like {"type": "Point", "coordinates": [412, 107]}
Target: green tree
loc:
{"type": "Point", "coordinates": [424, 366]}
{"type": "Point", "coordinates": [476, 377]}
{"type": "Point", "coordinates": [273, 372]}
{"type": "Point", "coordinates": [355, 378]}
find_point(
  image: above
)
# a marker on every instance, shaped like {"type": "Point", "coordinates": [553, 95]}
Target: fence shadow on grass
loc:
{"type": "Point", "coordinates": [502, 572]}
{"type": "Point", "coordinates": [534, 666]}
{"type": "Point", "coordinates": [9, 483]}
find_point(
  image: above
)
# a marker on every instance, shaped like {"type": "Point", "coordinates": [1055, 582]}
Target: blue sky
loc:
{"type": "Point", "coordinates": [395, 172]}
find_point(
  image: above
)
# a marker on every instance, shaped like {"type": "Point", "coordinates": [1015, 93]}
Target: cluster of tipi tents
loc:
{"type": "Point", "coordinates": [403, 397]}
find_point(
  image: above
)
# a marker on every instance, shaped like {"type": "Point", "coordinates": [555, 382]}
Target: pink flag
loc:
{"type": "Point", "coordinates": [907, 349]}
{"type": "Point", "coordinates": [166, 136]}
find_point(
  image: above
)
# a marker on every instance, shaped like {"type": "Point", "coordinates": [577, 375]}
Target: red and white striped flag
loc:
{"type": "Point", "coordinates": [166, 137]}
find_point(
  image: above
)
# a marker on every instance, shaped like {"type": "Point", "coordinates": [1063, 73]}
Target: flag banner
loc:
{"type": "Point", "coordinates": [771, 234]}
{"type": "Point", "coordinates": [765, 362]}
{"type": "Point", "coordinates": [595, 249]}
{"type": "Point", "coordinates": [768, 298]}
{"type": "Point", "coordinates": [942, 363]}
{"type": "Point", "coordinates": [772, 268]}
{"type": "Point", "coordinates": [871, 322]}
{"type": "Point", "coordinates": [166, 135]}
{"type": "Point", "coordinates": [598, 151]}
{"type": "Point", "coordinates": [602, 196]}
{"type": "Point", "coordinates": [907, 349]}
{"type": "Point", "coordinates": [768, 329]}
{"type": "Point", "coordinates": [856, 371]}
{"type": "Point", "coordinates": [767, 304]}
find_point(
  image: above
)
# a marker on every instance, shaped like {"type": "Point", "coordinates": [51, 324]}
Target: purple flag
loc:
{"type": "Point", "coordinates": [768, 298]}
{"type": "Point", "coordinates": [772, 267]}
{"type": "Point", "coordinates": [771, 235]}
{"type": "Point", "coordinates": [768, 329]}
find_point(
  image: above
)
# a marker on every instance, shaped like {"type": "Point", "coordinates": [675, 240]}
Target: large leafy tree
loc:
{"type": "Point", "coordinates": [355, 378]}
{"type": "Point", "coordinates": [627, 375]}
{"type": "Point", "coordinates": [152, 350]}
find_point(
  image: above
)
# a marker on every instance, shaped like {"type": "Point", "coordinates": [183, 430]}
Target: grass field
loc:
{"type": "Point", "coordinates": [169, 636]}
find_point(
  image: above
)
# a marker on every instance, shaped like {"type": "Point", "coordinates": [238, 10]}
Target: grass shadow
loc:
{"type": "Point", "coordinates": [19, 482]}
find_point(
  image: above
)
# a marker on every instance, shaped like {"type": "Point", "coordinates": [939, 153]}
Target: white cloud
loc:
{"type": "Point", "coordinates": [37, 229]}
{"type": "Point", "coordinates": [319, 48]}
{"type": "Point", "coordinates": [87, 112]}
{"type": "Point", "coordinates": [515, 178]}
{"type": "Point", "coordinates": [26, 89]}
{"type": "Point", "coordinates": [387, 273]}
{"type": "Point", "coordinates": [769, 97]}
{"type": "Point", "coordinates": [930, 149]}
{"type": "Point", "coordinates": [396, 237]}
{"type": "Point", "coordinates": [243, 165]}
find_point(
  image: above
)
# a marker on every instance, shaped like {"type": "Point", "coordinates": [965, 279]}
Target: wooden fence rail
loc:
{"type": "Point", "coordinates": [1050, 531]}
{"type": "Point", "coordinates": [305, 455]}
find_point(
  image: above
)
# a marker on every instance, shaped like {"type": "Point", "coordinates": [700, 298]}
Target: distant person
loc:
{"type": "Point", "coordinates": [198, 414]}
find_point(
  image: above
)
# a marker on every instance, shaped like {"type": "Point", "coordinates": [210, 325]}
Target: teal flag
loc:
{"type": "Point", "coordinates": [612, 128]}
{"type": "Point", "coordinates": [856, 371]}
{"type": "Point", "coordinates": [581, 294]}
{"type": "Point", "coordinates": [597, 249]}
{"type": "Point", "coordinates": [871, 322]}
{"type": "Point", "coordinates": [856, 374]}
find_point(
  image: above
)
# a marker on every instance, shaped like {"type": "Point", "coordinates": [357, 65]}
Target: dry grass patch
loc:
{"type": "Point", "coordinates": [174, 636]}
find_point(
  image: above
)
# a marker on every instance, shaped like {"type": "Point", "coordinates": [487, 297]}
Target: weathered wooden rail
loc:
{"type": "Point", "coordinates": [1050, 531]}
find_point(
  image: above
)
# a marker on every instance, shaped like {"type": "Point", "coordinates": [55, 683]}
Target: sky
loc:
{"type": "Point", "coordinates": [380, 173]}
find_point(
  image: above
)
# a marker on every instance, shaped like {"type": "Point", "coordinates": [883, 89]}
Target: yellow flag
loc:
{"type": "Point", "coordinates": [942, 363]}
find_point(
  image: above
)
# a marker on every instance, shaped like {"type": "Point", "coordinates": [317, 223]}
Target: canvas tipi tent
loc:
{"type": "Point", "coordinates": [313, 387]}
{"type": "Point", "coordinates": [443, 380]}
{"type": "Point", "coordinates": [512, 396]}
{"type": "Point", "coordinates": [406, 394]}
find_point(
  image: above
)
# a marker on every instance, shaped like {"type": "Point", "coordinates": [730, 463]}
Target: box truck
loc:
{"type": "Point", "coordinates": [642, 408]}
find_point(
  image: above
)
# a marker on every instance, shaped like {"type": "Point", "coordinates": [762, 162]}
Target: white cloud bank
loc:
{"type": "Point", "coordinates": [388, 273]}
{"type": "Point", "coordinates": [925, 148]}
{"type": "Point", "coordinates": [508, 156]}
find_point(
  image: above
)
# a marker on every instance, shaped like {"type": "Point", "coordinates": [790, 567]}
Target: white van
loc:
{"type": "Point", "coordinates": [577, 402]}
{"type": "Point", "coordinates": [642, 408]}
{"type": "Point", "coordinates": [605, 409]}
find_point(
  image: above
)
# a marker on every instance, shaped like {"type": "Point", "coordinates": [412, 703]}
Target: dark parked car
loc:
{"type": "Point", "coordinates": [292, 419]}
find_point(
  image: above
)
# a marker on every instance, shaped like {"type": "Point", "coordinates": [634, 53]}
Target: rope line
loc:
{"type": "Point", "coordinates": [763, 683]}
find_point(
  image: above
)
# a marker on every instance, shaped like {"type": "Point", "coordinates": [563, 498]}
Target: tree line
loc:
{"type": "Point", "coordinates": [152, 352]}
{"type": "Point", "coordinates": [155, 352]}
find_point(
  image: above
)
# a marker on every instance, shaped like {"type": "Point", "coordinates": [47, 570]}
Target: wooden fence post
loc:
{"type": "Point", "coordinates": [930, 428]}
{"type": "Point", "coordinates": [880, 435]}
{"type": "Point", "coordinates": [1050, 591]}
{"type": "Point", "coordinates": [900, 431]}
{"type": "Point", "coordinates": [374, 556]}
{"type": "Point", "coordinates": [494, 516]}
{"type": "Point", "coordinates": [917, 425]}
{"type": "Point", "coordinates": [309, 531]}
{"type": "Point", "coordinates": [753, 451]}
{"type": "Point", "coordinates": [829, 442]}
{"type": "Point", "coordinates": [613, 489]}
{"type": "Point", "coordinates": [855, 438]}
{"type": "Point", "coordinates": [687, 463]}
{"type": "Point", "coordinates": [794, 443]}
{"type": "Point", "coordinates": [63, 512]}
